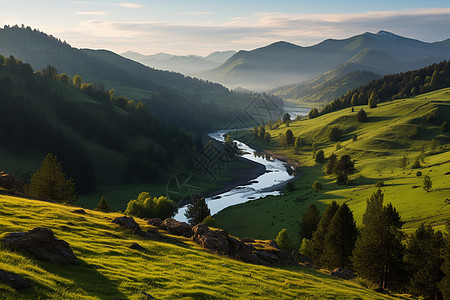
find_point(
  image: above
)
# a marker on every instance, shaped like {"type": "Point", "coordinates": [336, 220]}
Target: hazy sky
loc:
{"type": "Point", "coordinates": [203, 26]}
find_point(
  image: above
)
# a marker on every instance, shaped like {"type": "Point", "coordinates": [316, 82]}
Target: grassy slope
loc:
{"type": "Point", "coordinates": [182, 270]}
{"type": "Point", "coordinates": [393, 129]}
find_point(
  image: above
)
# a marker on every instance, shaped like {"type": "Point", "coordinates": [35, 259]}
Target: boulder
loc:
{"type": "Point", "coordinates": [42, 244]}
{"type": "Point", "coordinates": [127, 223]}
{"type": "Point", "coordinates": [7, 181]}
{"type": "Point", "coordinates": [268, 257]}
{"type": "Point", "coordinates": [242, 251]}
{"type": "Point", "coordinates": [157, 222]}
{"type": "Point", "coordinates": [343, 273]}
{"type": "Point", "coordinates": [176, 227]}
{"type": "Point", "coordinates": [79, 211]}
{"type": "Point", "coordinates": [215, 240]}
{"type": "Point", "coordinates": [286, 258]}
{"type": "Point", "coordinates": [303, 259]}
{"type": "Point", "coordinates": [14, 280]}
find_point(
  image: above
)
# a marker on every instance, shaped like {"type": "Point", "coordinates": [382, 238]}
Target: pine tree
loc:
{"type": "Point", "coordinates": [197, 211]}
{"type": "Point", "coordinates": [331, 163]}
{"type": "Point", "coordinates": [103, 205]}
{"type": "Point", "coordinates": [340, 239]}
{"type": "Point", "coordinates": [424, 260]}
{"type": "Point", "coordinates": [309, 222]}
{"type": "Point", "coordinates": [318, 239]}
{"type": "Point", "coordinates": [444, 285]}
{"type": "Point", "coordinates": [378, 251]}
{"type": "Point", "coordinates": [50, 183]}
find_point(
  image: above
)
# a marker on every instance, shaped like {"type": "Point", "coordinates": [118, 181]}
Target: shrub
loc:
{"type": "Point", "coordinates": [320, 157]}
{"type": "Point", "coordinates": [418, 173]}
{"type": "Point", "coordinates": [283, 241]}
{"type": "Point", "coordinates": [317, 186]}
{"type": "Point", "coordinates": [427, 184]}
{"type": "Point", "coordinates": [355, 137]}
{"type": "Point", "coordinates": [335, 134]}
{"type": "Point", "coordinates": [306, 247]}
{"type": "Point", "coordinates": [210, 221]}
{"type": "Point", "coordinates": [361, 116]}
{"type": "Point", "coordinates": [147, 207]}
{"type": "Point", "coordinates": [103, 205]}
{"type": "Point", "coordinates": [342, 178]}
{"type": "Point", "coordinates": [416, 164]}
{"type": "Point", "coordinates": [379, 183]}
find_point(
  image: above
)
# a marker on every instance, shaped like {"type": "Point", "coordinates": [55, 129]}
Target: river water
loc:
{"type": "Point", "coordinates": [259, 187]}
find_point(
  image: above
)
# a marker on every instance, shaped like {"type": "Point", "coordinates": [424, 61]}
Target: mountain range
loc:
{"type": "Point", "coordinates": [283, 63]}
{"type": "Point", "coordinates": [187, 65]}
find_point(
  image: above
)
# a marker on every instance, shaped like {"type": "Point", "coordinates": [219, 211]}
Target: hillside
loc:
{"type": "Point", "coordinates": [176, 268]}
{"type": "Point", "coordinates": [283, 63]}
{"type": "Point", "coordinates": [187, 65]}
{"type": "Point", "coordinates": [393, 130]}
{"type": "Point", "coordinates": [325, 88]}
{"type": "Point", "coordinates": [126, 77]}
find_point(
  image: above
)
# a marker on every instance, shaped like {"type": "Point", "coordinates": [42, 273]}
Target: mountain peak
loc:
{"type": "Point", "coordinates": [387, 34]}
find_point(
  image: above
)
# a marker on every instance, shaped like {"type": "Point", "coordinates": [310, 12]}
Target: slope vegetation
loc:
{"type": "Point", "coordinates": [178, 269]}
{"type": "Point", "coordinates": [393, 130]}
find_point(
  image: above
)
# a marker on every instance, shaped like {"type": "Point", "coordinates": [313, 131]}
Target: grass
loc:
{"type": "Point", "coordinates": [394, 129]}
{"type": "Point", "coordinates": [177, 270]}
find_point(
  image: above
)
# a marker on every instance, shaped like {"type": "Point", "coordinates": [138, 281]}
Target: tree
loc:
{"type": "Point", "coordinates": [210, 221]}
{"type": "Point", "coordinates": [335, 134]}
{"type": "Point", "coordinates": [286, 118]}
{"type": "Point", "coordinates": [340, 239]}
{"type": "Point", "coordinates": [361, 116]}
{"type": "Point", "coordinates": [404, 162]}
{"type": "Point", "coordinates": [318, 239]}
{"type": "Point", "coordinates": [50, 183]}
{"type": "Point", "coordinates": [313, 113]}
{"type": "Point", "coordinates": [103, 205]}
{"type": "Point", "coordinates": [261, 132]}
{"type": "Point", "coordinates": [433, 145]}
{"type": "Point", "coordinates": [298, 144]}
{"type": "Point", "coordinates": [64, 78]}
{"type": "Point", "coordinates": [344, 165]}
{"type": "Point", "coordinates": [427, 184]}
{"type": "Point", "coordinates": [77, 81]}
{"type": "Point", "coordinates": [283, 241]}
{"type": "Point", "coordinates": [50, 71]}
{"type": "Point", "coordinates": [444, 285]}
{"type": "Point", "coordinates": [373, 100]}
{"type": "Point", "coordinates": [332, 160]}
{"type": "Point", "coordinates": [320, 157]}
{"type": "Point", "coordinates": [197, 211]}
{"type": "Point", "coordinates": [310, 221]}
{"type": "Point", "coordinates": [306, 248]}
{"type": "Point", "coordinates": [289, 138]}
{"type": "Point", "coordinates": [378, 251]}
{"type": "Point", "coordinates": [146, 206]}
{"type": "Point", "coordinates": [267, 137]}
{"type": "Point", "coordinates": [317, 186]}
{"type": "Point", "coordinates": [354, 100]}
{"type": "Point", "coordinates": [424, 260]}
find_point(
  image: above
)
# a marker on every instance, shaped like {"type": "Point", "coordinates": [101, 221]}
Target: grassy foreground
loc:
{"type": "Point", "coordinates": [393, 129]}
{"type": "Point", "coordinates": [181, 270]}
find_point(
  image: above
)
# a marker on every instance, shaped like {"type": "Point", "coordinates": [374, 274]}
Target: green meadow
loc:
{"type": "Point", "coordinates": [393, 130]}
{"type": "Point", "coordinates": [166, 270]}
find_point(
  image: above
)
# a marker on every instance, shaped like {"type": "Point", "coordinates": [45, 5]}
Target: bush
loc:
{"type": "Point", "coordinates": [147, 207]}
{"type": "Point", "coordinates": [342, 178]}
{"type": "Point", "coordinates": [427, 184]}
{"type": "Point", "coordinates": [416, 164]}
{"type": "Point", "coordinates": [320, 157]}
{"type": "Point", "coordinates": [361, 116]}
{"type": "Point", "coordinates": [317, 186]}
{"type": "Point", "coordinates": [210, 221]}
{"type": "Point", "coordinates": [379, 183]}
{"type": "Point", "coordinates": [283, 241]}
{"type": "Point", "coordinates": [418, 173]}
{"type": "Point", "coordinates": [335, 134]}
{"type": "Point", "coordinates": [103, 205]}
{"type": "Point", "coordinates": [306, 248]}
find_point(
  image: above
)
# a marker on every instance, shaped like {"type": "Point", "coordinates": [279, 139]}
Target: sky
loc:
{"type": "Point", "coordinates": [200, 27]}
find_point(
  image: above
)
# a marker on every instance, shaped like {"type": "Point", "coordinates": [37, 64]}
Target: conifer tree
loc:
{"type": "Point", "coordinates": [197, 211]}
{"type": "Point", "coordinates": [331, 163]}
{"type": "Point", "coordinates": [103, 205]}
{"type": "Point", "coordinates": [318, 239]}
{"type": "Point", "coordinates": [50, 183]}
{"type": "Point", "coordinates": [378, 251]}
{"type": "Point", "coordinates": [424, 260]}
{"type": "Point", "coordinates": [309, 222]}
{"type": "Point", "coordinates": [444, 285]}
{"type": "Point", "coordinates": [340, 239]}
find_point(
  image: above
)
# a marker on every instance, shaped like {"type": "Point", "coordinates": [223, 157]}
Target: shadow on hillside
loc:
{"type": "Point", "coordinates": [372, 119]}
{"type": "Point", "coordinates": [86, 279]}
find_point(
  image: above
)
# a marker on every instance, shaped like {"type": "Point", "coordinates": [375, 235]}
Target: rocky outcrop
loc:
{"type": "Point", "coordinates": [302, 259]}
{"type": "Point", "coordinates": [79, 211]}
{"type": "Point", "coordinates": [343, 273]}
{"type": "Point", "coordinates": [176, 227]}
{"type": "Point", "coordinates": [42, 244]}
{"type": "Point", "coordinates": [8, 182]}
{"type": "Point", "coordinates": [157, 222]}
{"type": "Point", "coordinates": [127, 223]}
{"type": "Point", "coordinates": [15, 281]}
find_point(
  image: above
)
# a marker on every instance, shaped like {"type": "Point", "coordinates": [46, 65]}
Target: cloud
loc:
{"type": "Point", "coordinates": [260, 29]}
{"type": "Point", "coordinates": [130, 5]}
{"type": "Point", "coordinates": [198, 13]}
{"type": "Point", "coordinates": [92, 13]}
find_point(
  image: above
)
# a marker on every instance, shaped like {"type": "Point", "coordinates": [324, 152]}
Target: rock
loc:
{"type": "Point", "coordinates": [157, 222]}
{"type": "Point", "coordinates": [127, 223]}
{"type": "Point", "coordinates": [286, 258]}
{"type": "Point", "coordinates": [176, 227]}
{"type": "Point", "coordinates": [79, 211]}
{"type": "Point", "coordinates": [8, 182]}
{"type": "Point", "coordinates": [14, 280]}
{"type": "Point", "coordinates": [247, 240]}
{"type": "Point", "coordinates": [343, 273]}
{"type": "Point", "coordinates": [215, 240]}
{"type": "Point", "coordinates": [268, 257]}
{"type": "Point", "coordinates": [136, 246]}
{"type": "Point", "coordinates": [272, 243]}
{"type": "Point", "coordinates": [303, 259]}
{"type": "Point", "coordinates": [242, 251]}
{"type": "Point", "coordinates": [41, 244]}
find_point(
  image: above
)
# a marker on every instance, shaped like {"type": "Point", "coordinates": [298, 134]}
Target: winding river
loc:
{"type": "Point", "coordinates": [264, 185]}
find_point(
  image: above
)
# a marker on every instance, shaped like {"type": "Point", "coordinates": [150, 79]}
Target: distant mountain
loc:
{"type": "Point", "coordinates": [160, 89]}
{"type": "Point", "coordinates": [187, 65]}
{"type": "Point", "coordinates": [283, 63]}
